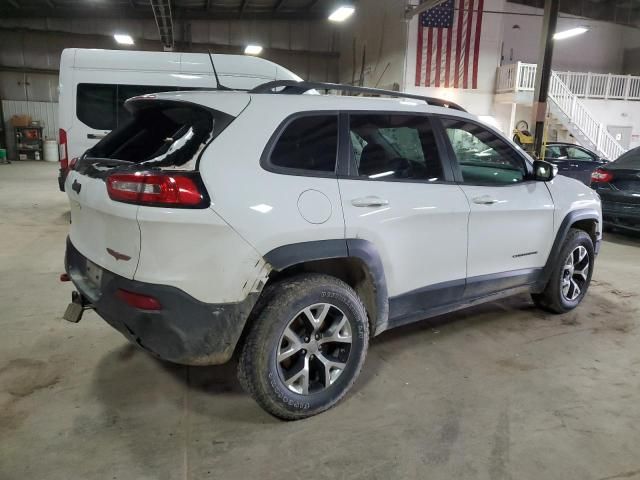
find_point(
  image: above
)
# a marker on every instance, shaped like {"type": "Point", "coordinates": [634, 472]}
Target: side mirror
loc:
{"type": "Point", "coordinates": [544, 171]}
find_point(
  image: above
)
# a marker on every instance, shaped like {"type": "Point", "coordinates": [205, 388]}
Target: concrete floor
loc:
{"type": "Point", "coordinates": [496, 392]}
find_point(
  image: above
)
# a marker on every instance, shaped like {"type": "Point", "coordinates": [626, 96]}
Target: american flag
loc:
{"type": "Point", "coordinates": [449, 44]}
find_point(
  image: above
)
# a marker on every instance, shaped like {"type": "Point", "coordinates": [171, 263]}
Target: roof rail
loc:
{"type": "Point", "coordinates": [293, 87]}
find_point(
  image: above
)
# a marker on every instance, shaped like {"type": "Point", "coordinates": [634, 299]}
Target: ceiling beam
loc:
{"type": "Point", "coordinates": [50, 3]}
{"type": "Point", "coordinates": [423, 7]}
{"type": "Point", "coordinates": [13, 3]}
{"type": "Point", "coordinates": [164, 21]}
{"type": "Point", "coordinates": [106, 41]}
{"type": "Point", "coordinates": [243, 6]}
{"type": "Point", "coordinates": [278, 5]}
{"type": "Point", "coordinates": [215, 13]}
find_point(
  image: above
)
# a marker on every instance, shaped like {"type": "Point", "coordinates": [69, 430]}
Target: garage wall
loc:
{"type": "Point", "coordinates": [44, 112]}
{"type": "Point", "coordinates": [479, 101]}
{"type": "Point", "coordinates": [605, 42]}
{"type": "Point", "coordinates": [30, 48]}
{"type": "Point", "coordinates": [378, 30]}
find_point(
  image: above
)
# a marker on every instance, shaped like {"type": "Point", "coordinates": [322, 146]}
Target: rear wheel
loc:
{"type": "Point", "coordinates": [571, 277]}
{"type": "Point", "coordinates": [306, 347]}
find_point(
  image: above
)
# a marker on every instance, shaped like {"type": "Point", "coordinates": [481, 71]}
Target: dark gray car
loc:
{"type": "Point", "coordinates": [573, 160]}
{"type": "Point", "coordinates": [618, 184]}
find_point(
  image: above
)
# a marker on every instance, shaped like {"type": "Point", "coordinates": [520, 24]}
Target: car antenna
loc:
{"type": "Point", "coordinates": [215, 73]}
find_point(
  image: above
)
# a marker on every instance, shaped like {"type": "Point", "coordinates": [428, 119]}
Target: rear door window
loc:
{"type": "Point", "coordinates": [394, 146]}
{"type": "Point", "coordinates": [579, 154]}
{"type": "Point", "coordinates": [308, 143]}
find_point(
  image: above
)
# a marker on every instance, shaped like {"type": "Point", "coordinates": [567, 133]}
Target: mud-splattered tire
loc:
{"type": "Point", "coordinates": [571, 277]}
{"type": "Point", "coordinates": [306, 347]}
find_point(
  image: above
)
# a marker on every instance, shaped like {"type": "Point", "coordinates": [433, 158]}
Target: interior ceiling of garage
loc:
{"type": "Point", "coordinates": [624, 12]}
{"type": "Point", "coordinates": [181, 9]}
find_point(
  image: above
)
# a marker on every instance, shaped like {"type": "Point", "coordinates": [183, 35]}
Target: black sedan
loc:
{"type": "Point", "coordinates": [618, 184]}
{"type": "Point", "coordinates": [573, 160]}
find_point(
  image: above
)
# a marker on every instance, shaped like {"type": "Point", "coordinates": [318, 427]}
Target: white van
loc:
{"type": "Point", "coordinates": [94, 85]}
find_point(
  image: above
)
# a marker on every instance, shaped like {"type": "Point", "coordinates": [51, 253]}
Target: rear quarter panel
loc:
{"type": "Point", "coordinates": [262, 206]}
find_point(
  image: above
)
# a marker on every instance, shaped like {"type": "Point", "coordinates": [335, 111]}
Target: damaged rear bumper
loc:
{"type": "Point", "coordinates": [184, 330]}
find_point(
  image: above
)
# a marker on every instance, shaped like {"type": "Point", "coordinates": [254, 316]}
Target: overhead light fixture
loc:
{"type": "Point", "coordinates": [123, 39]}
{"type": "Point", "coordinates": [341, 13]}
{"type": "Point", "coordinates": [253, 49]}
{"type": "Point", "coordinates": [572, 32]}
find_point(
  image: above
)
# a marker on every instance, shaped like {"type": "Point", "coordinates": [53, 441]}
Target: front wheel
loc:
{"type": "Point", "coordinates": [571, 277]}
{"type": "Point", "coordinates": [306, 347]}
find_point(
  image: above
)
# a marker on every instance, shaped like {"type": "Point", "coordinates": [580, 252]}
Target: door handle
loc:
{"type": "Point", "coordinates": [371, 201]}
{"type": "Point", "coordinates": [485, 200]}
{"type": "Point", "coordinates": [96, 136]}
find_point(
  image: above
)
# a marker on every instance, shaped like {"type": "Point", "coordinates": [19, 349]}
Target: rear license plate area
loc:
{"type": "Point", "coordinates": [93, 274]}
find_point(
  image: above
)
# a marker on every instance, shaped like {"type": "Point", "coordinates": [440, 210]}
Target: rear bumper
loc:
{"type": "Point", "coordinates": [184, 331]}
{"type": "Point", "coordinates": [621, 215]}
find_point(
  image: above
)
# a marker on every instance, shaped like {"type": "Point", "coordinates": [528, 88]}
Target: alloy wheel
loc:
{"type": "Point", "coordinates": [314, 348]}
{"type": "Point", "coordinates": [575, 273]}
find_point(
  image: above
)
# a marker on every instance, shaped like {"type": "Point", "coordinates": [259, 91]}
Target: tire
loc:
{"type": "Point", "coordinates": [558, 296]}
{"type": "Point", "coordinates": [516, 140]}
{"type": "Point", "coordinates": [285, 325]}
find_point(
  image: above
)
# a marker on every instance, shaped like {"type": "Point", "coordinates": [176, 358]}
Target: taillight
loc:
{"type": "Point", "coordinates": [62, 146]}
{"type": "Point", "coordinates": [137, 300]}
{"type": "Point", "coordinates": [601, 176]}
{"type": "Point", "coordinates": [157, 189]}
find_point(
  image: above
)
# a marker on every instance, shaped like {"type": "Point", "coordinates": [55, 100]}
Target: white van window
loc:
{"type": "Point", "coordinates": [101, 106]}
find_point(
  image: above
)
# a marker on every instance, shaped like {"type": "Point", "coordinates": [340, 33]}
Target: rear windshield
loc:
{"type": "Point", "coordinates": [161, 134]}
{"type": "Point", "coordinates": [631, 159]}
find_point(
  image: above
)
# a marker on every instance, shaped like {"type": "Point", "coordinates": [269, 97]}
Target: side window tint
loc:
{"type": "Point", "coordinates": [125, 92]}
{"type": "Point", "coordinates": [394, 147]}
{"type": "Point", "coordinates": [554, 152]}
{"type": "Point", "coordinates": [96, 105]}
{"type": "Point", "coordinates": [308, 143]}
{"type": "Point", "coordinates": [578, 154]}
{"type": "Point", "coordinates": [484, 158]}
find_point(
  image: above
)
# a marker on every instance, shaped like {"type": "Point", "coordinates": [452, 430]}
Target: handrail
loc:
{"type": "Point", "coordinates": [578, 114]}
{"type": "Point", "coordinates": [522, 77]}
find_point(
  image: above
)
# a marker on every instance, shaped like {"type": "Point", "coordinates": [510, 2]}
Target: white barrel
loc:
{"type": "Point", "coordinates": [50, 151]}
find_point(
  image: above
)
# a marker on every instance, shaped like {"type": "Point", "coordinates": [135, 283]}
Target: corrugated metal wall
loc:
{"type": "Point", "coordinates": [45, 112]}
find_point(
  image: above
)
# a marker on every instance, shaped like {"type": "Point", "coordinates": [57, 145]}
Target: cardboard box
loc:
{"type": "Point", "coordinates": [21, 120]}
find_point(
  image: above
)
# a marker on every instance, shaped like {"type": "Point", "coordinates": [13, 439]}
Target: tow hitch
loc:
{"type": "Point", "coordinates": [76, 308]}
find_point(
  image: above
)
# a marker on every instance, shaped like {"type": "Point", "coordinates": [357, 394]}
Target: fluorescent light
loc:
{"type": "Point", "coordinates": [123, 39]}
{"type": "Point", "coordinates": [253, 49]}
{"type": "Point", "coordinates": [572, 32]}
{"type": "Point", "coordinates": [340, 14]}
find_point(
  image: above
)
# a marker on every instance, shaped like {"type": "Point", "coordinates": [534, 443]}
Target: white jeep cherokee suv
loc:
{"type": "Point", "coordinates": [291, 228]}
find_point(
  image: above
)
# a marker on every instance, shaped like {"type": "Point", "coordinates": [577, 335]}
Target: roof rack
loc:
{"type": "Point", "coordinates": [293, 87]}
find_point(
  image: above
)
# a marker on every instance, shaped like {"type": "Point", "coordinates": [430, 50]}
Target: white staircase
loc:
{"type": "Point", "coordinates": [566, 107]}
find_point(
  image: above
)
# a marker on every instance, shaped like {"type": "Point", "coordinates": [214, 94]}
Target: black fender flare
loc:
{"type": "Point", "coordinates": [289, 255]}
{"type": "Point", "coordinates": [567, 222]}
